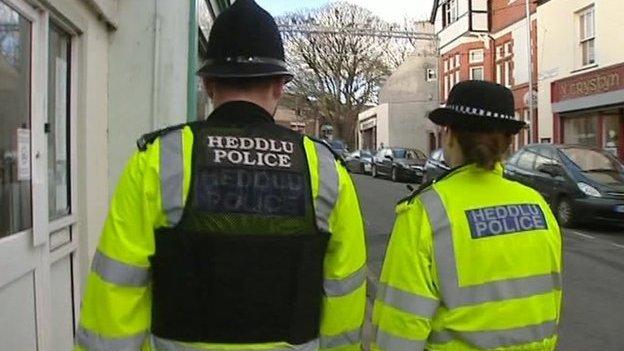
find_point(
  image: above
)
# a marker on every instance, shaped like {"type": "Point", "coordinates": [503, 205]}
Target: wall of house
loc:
{"type": "Point", "coordinates": [558, 46]}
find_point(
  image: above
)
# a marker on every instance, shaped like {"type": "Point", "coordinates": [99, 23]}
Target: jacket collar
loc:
{"type": "Point", "coordinates": [239, 113]}
{"type": "Point", "coordinates": [472, 168]}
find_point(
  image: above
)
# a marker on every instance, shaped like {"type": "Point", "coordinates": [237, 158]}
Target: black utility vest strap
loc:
{"type": "Point", "coordinates": [245, 262]}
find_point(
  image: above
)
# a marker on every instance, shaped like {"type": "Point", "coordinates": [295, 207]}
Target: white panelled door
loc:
{"type": "Point", "coordinates": [37, 245]}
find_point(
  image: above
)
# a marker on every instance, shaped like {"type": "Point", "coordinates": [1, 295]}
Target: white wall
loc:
{"type": "Point", "coordinates": [383, 127]}
{"type": "Point", "coordinates": [558, 50]}
{"type": "Point", "coordinates": [148, 74]}
{"type": "Point", "coordinates": [520, 48]}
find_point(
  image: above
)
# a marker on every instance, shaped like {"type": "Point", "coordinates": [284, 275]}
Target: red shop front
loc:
{"type": "Point", "coordinates": [589, 109]}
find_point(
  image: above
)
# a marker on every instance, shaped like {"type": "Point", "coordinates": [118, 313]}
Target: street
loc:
{"type": "Point", "coordinates": [593, 279]}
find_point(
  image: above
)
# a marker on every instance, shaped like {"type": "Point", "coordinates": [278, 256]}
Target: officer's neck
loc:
{"type": "Point", "coordinates": [268, 104]}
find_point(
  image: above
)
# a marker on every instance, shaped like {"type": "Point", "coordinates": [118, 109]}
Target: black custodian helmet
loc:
{"type": "Point", "coordinates": [244, 43]}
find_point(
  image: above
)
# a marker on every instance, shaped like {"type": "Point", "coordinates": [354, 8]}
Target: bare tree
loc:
{"type": "Point", "coordinates": [338, 73]}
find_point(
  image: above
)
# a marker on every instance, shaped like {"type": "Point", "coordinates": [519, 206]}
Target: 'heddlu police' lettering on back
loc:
{"type": "Point", "coordinates": [254, 175]}
{"type": "Point", "coordinates": [508, 219]}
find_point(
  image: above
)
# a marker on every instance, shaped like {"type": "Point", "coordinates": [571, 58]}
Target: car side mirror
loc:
{"type": "Point", "coordinates": [357, 157]}
{"type": "Point", "coordinates": [388, 157]}
{"type": "Point", "coordinates": [552, 169]}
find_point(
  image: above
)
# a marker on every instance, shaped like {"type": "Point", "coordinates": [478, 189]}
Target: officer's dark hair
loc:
{"type": "Point", "coordinates": [483, 149]}
{"type": "Point", "coordinates": [246, 84]}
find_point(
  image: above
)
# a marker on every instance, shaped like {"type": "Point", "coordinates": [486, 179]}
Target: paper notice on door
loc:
{"type": "Point", "coordinates": [60, 113]}
{"type": "Point", "coordinates": [23, 154]}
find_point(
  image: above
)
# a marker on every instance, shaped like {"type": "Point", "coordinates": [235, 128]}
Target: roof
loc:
{"type": "Point", "coordinates": [434, 10]}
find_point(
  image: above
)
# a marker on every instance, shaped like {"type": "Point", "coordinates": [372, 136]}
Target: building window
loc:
{"type": "Point", "coordinates": [446, 65]}
{"type": "Point", "coordinates": [508, 49]}
{"type": "Point", "coordinates": [447, 86]}
{"type": "Point", "coordinates": [587, 36]}
{"type": "Point", "coordinates": [457, 60]}
{"type": "Point", "coordinates": [476, 56]}
{"type": "Point", "coordinates": [476, 73]}
{"type": "Point", "coordinates": [451, 12]}
{"type": "Point", "coordinates": [499, 52]}
{"type": "Point", "coordinates": [499, 73]}
{"type": "Point", "coordinates": [508, 74]}
{"type": "Point", "coordinates": [431, 75]}
{"type": "Point", "coordinates": [457, 79]}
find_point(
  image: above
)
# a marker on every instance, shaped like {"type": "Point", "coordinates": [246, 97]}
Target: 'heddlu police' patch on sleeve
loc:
{"type": "Point", "coordinates": [508, 219]}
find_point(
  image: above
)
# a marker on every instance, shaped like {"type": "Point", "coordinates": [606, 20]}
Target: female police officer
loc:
{"type": "Point", "coordinates": [474, 261]}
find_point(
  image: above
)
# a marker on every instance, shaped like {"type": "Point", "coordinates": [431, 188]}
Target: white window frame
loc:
{"type": "Point", "coordinates": [446, 66]}
{"type": "Point", "coordinates": [457, 60]}
{"type": "Point", "coordinates": [589, 37]}
{"type": "Point", "coordinates": [475, 68]}
{"type": "Point", "coordinates": [431, 75]}
{"type": "Point", "coordinates": [447, 85]}
{"type": "Point", "coordinates": [499, 73]}
{"type": "Point", "coordinates": [507, 73]}
{"type": "Point", "coordinates": [457, 77]}
{"type": "Point", "coordinates": [508, 49]}
{"type": "Point", "coordinates": [499, 52]}
{"type": "Point", "coordinates": [476, 56]}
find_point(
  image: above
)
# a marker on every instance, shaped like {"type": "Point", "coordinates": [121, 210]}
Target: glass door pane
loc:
{"type": "Point", "coordinates": [15, 110]}
{"type": "Point", "coordinates": [58, 118]}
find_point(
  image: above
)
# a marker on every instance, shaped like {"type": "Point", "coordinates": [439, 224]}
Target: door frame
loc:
{"type": "Point", "coordinates": [33, 250]}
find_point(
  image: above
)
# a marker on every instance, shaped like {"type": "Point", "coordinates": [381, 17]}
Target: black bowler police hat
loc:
{"type": "Point", "coordinates": [479, 106]}
{"type": "Point", "coordinates": [244, 43]}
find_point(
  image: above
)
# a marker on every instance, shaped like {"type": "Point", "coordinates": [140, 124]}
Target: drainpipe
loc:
{"type": "Point", "coordinates": [191, 101]}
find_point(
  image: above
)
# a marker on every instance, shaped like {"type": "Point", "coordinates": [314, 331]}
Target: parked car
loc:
{"type": "Point", "coordinates": [360, 161]}
{"type": "Point", "coordinates": [435, 166]}
{"type": "Point", "coordinates": [581, 183]}
{"type": "Point", "coordinates": [399, 163]}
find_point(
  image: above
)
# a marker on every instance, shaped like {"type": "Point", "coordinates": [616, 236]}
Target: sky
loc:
{"type": "Point", "coordinates": [390, 10]}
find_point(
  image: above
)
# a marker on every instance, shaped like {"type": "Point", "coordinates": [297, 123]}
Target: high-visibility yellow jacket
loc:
{"type": "Point", "coordinates": [117, 300]}
{"type": "Point", "coordinates": [474, 263]}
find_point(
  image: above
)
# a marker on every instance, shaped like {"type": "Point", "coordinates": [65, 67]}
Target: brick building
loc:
{"type": "Point", "coordinates": [487, 39]}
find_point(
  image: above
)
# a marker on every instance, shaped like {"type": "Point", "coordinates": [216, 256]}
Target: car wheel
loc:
{"type": "Point", "coordinates": [565, 212]}
{"type": "Point", "coordinates": [395, 176]}
{"type": "Point", "coordinates": [374, 171]}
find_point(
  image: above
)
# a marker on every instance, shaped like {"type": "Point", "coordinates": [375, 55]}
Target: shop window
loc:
{"type": "Point", "coordinates": [58, 122]}
{"type": "Point", "coordinates": [587, 36]}
{"type": "Point", "coordinates": [580, 130]}
{"type": "Point", "coordinates": [15, 122]}
{"type": "Point", "coordinates": [476, 73]}
{"type": "Point", "coordinates": [611, 134]}
{"type": "Point", "coordinates": [476, 56]}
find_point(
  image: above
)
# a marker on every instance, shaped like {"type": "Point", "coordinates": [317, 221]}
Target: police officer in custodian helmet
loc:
{"type": "Point", "coordinates": [231, 233]}
{"type": "Point", "coordinates": [474, 260]}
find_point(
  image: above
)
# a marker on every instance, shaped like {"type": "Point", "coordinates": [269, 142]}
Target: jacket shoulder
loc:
{"type": "Point", "coordinates": [324, 144]}
{"type": "Point", "coordinates": [148, 139]}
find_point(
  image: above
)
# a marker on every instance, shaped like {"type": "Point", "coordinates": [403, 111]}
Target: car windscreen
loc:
{"type": "Point", "coordinates": [408, 154]}
{"type": "Point", "coordinates": [366, 154]}
{"type": "Point", "coordinates": [590, 160]}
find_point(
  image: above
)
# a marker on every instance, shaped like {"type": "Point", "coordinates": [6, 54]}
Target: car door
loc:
{"type": "Point", "coordinates": [386, 162]}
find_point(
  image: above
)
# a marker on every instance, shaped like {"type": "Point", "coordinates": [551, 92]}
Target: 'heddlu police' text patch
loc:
{"type": "Point", "coordinates": [499, 220]}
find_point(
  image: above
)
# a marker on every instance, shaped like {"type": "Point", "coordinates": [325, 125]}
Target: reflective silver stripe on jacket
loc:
{"type": "Point", "coordinates": [160, 344]}
{"type": "Point", "coordinates": [492, 339]}
{"type": "Point", "coordinates": [341, 287]}
{"type": "Point", "coordinates": [418, 305]}
{"type": "Point", "coordinates": [94, 342]}
{"type": "Point", "coordinates": [455, 296]}
{"type": "Point", "coordinates": [172, 176]}
{"type": "Point", "coordinates": [119, 273]}
{"type": "Point", "coordinates": [389, 342]}
{"type": "Point", "coordinates": [348, 338]}
{"type": "Point", "coordinates": [327, 187]}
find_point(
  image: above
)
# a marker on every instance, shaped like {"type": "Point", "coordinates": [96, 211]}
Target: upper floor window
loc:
{"type": "Point", "coordinates": [476, 73]}
{"type": "Point", "coordinates": [476, 56]}
{"type": "Point", "coordinates": [587, 36]}
{"type": "Point", "coordinates": [451, 12]}
{"type": "Point", "coordinates": [431, 75]}
{"type": "Point", "coordinates": [457, 60]}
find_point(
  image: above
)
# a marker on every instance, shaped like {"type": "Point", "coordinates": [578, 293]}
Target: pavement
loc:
{"type": "Point", "coordinates": [593, 278]}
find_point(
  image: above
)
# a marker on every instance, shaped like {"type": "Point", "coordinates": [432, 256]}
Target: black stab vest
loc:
{"type": "Point", "coordinates": [245, 263]}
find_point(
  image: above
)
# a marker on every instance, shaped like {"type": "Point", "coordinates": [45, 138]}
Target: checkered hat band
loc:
{"type": "Point", "coordinates": [478, 112]}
